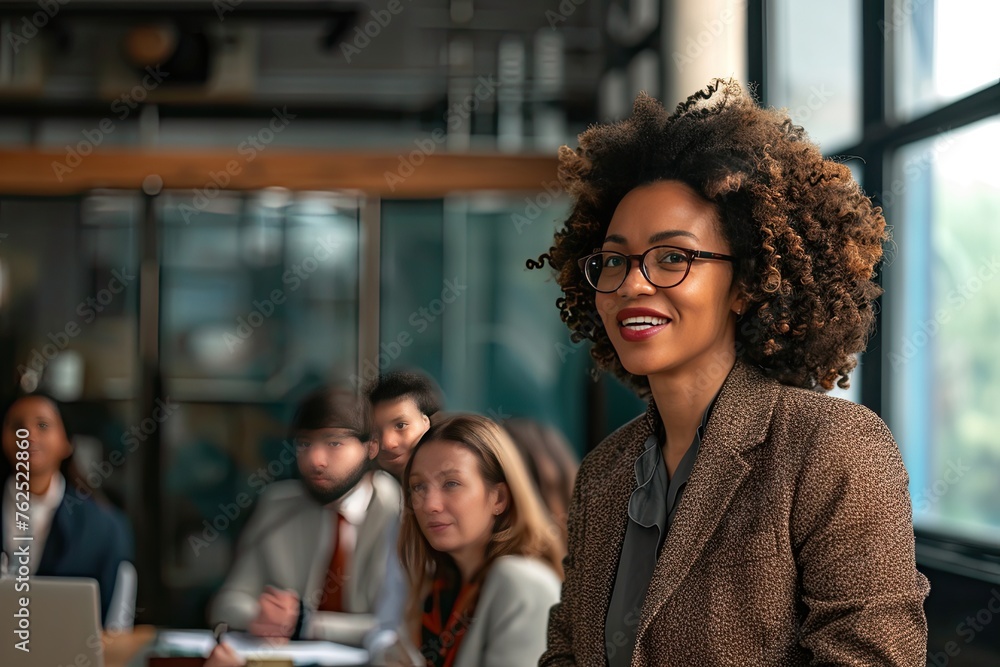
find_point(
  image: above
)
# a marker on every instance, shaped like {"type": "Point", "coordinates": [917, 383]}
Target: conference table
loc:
{"type": "Point", "coordinates": [121, 647]}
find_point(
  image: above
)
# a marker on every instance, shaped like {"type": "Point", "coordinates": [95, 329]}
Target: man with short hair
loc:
{"type": "Point", "coordinates": [318, 558]}
{"type": "Point", "coordinates": [402, 403]}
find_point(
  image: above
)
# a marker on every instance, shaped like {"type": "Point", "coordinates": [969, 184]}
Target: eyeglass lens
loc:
{"type": "Point", "coordinates": [664, 267]}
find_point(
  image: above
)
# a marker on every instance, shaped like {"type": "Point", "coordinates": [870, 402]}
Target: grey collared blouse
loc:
{"type": "Point", "coordinates": [651, 510]}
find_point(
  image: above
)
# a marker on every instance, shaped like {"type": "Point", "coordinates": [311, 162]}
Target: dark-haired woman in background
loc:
{"type": "Point", "coordinates": [73, 535]}
{"type": "Point", "coordinates": [723, 268]}
{"type": "Point", "coordinates": [551, 464]}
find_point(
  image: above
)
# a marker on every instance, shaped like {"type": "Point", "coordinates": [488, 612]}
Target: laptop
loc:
{"type": "Point", "coordinates": [57, 619]}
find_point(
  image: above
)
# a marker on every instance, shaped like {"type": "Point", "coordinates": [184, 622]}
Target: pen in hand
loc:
{"type": "Point", "coordinates": [220, 630]}
{"type": "Point", "coordinates": [223, 655]}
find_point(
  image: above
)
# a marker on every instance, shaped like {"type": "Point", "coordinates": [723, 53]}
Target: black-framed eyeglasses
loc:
{"type": "Point", "coordinates": [663, 266]}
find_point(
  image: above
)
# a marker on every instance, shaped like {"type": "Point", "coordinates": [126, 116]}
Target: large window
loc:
{"type": "Point", "coordinates": [259, 291]}
{"type": "Point", "coordinates": [258, 304]}
{"type": "Point", "coordinates": [941, 51]}
{"type": "Point", "coordinates": [914, 101]}
{"type": "Point", "coordinates": [943, 291]}
{"type": "Point", "coordinates": [814, 64]}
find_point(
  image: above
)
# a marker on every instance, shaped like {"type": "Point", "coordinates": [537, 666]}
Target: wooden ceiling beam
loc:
{"type": "Point", "coordinates": [415, 174]}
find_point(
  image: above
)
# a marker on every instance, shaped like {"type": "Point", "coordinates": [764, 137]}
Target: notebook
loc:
{"type": "Point", "coordinates": [201, 643]}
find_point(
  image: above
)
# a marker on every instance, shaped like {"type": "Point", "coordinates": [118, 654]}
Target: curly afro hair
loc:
{"type": "Point", "coordinates": [806, 237]}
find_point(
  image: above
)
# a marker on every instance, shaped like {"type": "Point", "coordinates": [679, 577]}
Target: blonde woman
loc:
{"type": "Point", "coordinates": [482, 557]}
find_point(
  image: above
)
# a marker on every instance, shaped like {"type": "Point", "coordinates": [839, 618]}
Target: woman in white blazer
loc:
{"type": "Point", "coordinates": [483, 559]}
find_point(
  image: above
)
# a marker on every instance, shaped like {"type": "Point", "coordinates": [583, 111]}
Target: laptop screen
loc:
{"type": "Point", "coordinates": [52, 622]}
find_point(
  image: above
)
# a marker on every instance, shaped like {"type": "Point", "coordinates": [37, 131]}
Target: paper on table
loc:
{"type": "Point", "coordinates": [189, 642]}
{"type": "Point", "coordinates": [201, 642]}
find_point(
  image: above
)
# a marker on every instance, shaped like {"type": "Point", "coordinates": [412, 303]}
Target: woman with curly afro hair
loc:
{"type": "Point", "coordinates": [724, 269]}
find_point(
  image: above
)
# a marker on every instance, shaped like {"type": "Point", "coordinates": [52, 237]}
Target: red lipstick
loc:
{"type": "Point", "coordinates": [640, 324]}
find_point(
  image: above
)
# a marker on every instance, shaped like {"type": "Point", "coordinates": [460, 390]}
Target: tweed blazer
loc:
{"type": "Point", "coordinates": [793, 543]}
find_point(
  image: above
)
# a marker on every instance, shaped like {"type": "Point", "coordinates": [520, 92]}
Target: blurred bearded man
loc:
{"type": "Point", "coordinates": [317, 559]}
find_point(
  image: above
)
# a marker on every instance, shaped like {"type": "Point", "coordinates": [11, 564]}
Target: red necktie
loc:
{"type": "Point", "coordinates": [333, 587]}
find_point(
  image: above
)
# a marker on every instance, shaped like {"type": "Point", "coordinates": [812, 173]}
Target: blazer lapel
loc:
{"type": "Point", "coordinates": [55, 542]}
{"type": "Point", "coordinates": [618, 488]}
{"type": "Point", "coordinates": [364, 568]}
{"type": "Point", "coordinates": [738, 423]}
{"type": "Point", "coordinates": [315, 528]}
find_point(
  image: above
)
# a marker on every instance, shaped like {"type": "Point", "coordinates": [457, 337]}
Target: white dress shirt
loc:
{"type": "Point", "coordinates": [41, 509]}
{"type": "Point", "coordinates": [353, 507]}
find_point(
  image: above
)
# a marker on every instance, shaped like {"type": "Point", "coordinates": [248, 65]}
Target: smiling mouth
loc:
{"type": "Point", "coordinates": [643, 322]}
{"type": "Point", "coordinates": [635, 326]}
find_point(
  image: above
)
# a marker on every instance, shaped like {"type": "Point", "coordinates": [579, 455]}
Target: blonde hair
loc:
{"type": "Point", "coordinates": [522, 529]}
